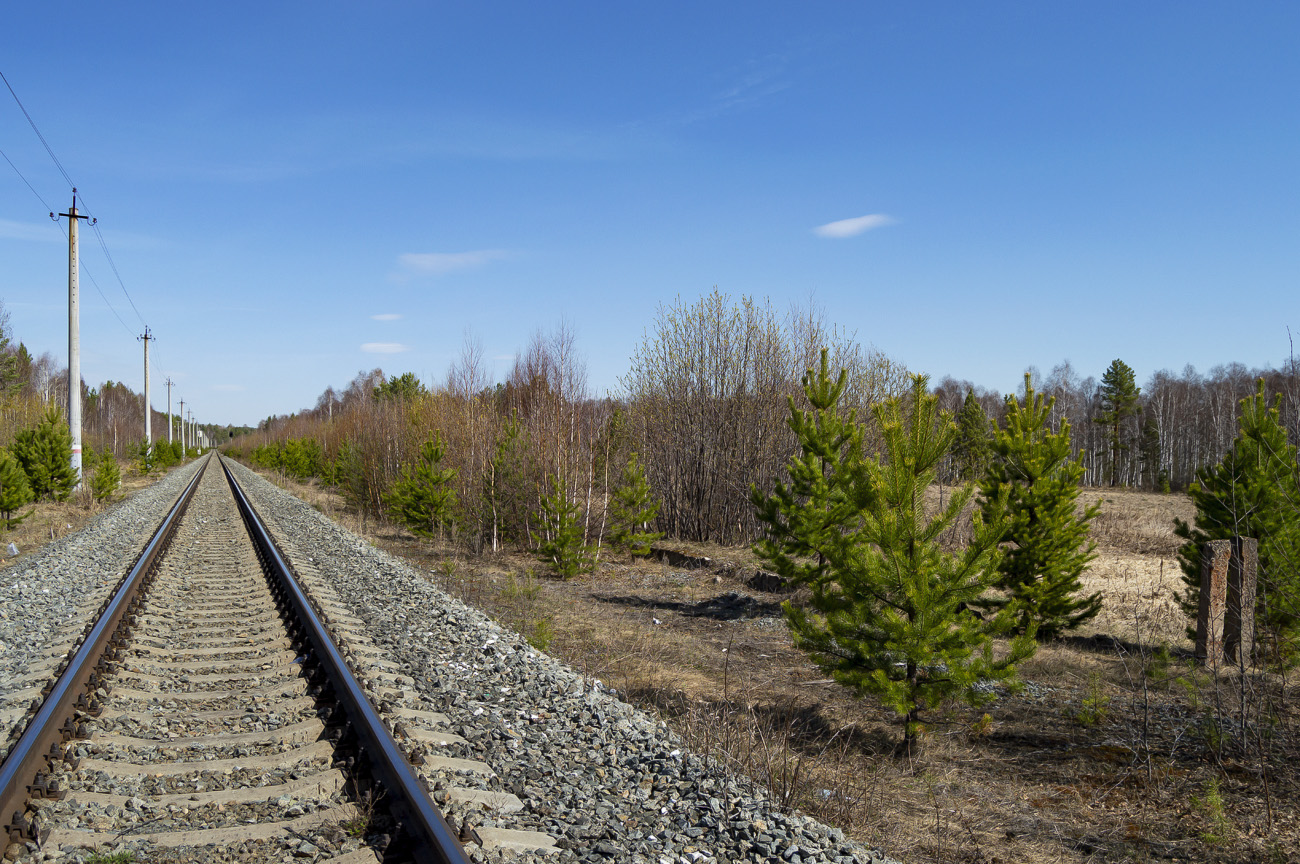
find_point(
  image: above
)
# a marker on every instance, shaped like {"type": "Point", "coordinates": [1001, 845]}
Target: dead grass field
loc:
{"type": "Point", "coordinates": [1119, 748]}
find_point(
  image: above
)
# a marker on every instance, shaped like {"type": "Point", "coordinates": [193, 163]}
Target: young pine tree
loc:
{"type": "Point", "coordinates": [15, 491]}
{"type": "Point", "coordinates": [632, 509]}
{"type": "Point", "coordinates": [890, 611]}
{"type": "Point", "coordinates": [423, 499]}
{"type": "Point", "coordinates": [145, 460]}
{"type": "Point", "coordinates": [1253, 492]}
{"type": "Point", "coordinates": [45, 453]}
{"type": "Point", "coordinates": [563, 546]}
{"type": "Point", "coordinates": [1032, 472]}
{"type": "Point", "coordinates": [105, 479]}
{"type": "Point", "coordinates": [970, 446]}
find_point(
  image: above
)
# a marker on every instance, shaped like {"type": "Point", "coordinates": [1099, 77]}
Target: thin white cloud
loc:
{"type": "Point", "coordinates": [384, 347]}
{"type": "Point", "coordinates": [853, 227]}
{"type": "Point", "coordinates": [385, 316]}
{"type": "Point", "coordinates": [440, 263]}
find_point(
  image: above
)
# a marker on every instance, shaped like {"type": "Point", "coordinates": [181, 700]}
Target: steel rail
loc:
{"type": "Point", "coordinates": [433, 839]}
{"type": "Point", "coordinates": [52, 724]}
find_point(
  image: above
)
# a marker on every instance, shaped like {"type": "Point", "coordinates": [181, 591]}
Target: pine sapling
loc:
{"type": "Point", "coordinates": [890, 611]}
{"type": "Point", "coordinates": [423, 499]}
{"type": "Point", "coordinates": [632, 510]}
{"type": "Point", "coordinates": [14, 490]}
{"type": "Point", "coordinates": [105, 479]}
{"type": "Point", "coordinates": [563, 545]}
{"type": "Point", "coordinates": [1032, 475]}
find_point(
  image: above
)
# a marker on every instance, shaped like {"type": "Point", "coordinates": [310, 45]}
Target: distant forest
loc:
{"type": "Point", "coordinates": [704, 406]}
{"type": "Point", "coordinates": [112, 414]}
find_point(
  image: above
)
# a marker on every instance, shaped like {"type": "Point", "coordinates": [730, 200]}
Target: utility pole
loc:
{"type": "Point", "coordinates": [193, 440]}
{"type": "Point", "coordinates": [169, 411]}
{"type": "Point", "coordinates": [74, 338]}
{"type": "Point", "coordinates": [148, 425]}
{"type": "Point", "coordinates": [184, 449]}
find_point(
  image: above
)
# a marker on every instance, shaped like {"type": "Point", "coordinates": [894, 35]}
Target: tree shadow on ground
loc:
{"type": "Point", "coordinates": [807, 727]}
{"type": "Point", "coordinates": [1103, 643]}
{"type": "Point", "coordinates": [725, 607]}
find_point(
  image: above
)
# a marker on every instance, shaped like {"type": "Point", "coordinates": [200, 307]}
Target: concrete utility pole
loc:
{"type": "Point", "coordinates": [169, 411]}
{"type": "Point", "coordinates": [182, 419]}
{"type": "Point", "coordinates": [193, 441]}
{"type": "Point", "coordinates": [74, 338]}
{"type": "Point", "coordinates": [148, 425]}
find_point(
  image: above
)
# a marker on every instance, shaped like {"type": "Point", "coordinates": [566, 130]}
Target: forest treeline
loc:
{"type": "Point", "coordinates": [704, 406]}
{"type": "Point", "coordinates": [1174, 424]}
{"type": "Point", "coordinates": [112, 414]}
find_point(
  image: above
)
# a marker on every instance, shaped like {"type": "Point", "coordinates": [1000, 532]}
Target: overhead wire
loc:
{"type": "Point", "coordinates": [64, 232]}
{"type": "Point", "coordinates": [32, 123]}
{"type": "Point", "coordinates": [94, 224]}
{"type": "Point", "coordinates": [24, 179]}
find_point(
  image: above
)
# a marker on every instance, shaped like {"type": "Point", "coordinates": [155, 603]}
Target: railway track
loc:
{"type": "Point", "coordinates": [212, 731]}
{"type": "Point", "coordinates": [218, 720]}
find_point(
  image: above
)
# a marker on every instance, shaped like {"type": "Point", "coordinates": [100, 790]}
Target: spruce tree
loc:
{"type": "Point", "coordinates": [970, 446]}
{"type": "Point", "coordinates": [45, 453]}
{"type": "Point", "coordinates": [563, 546]}
{"type": "Point", "coordinates": [423, 499]}
{"type": "Point", "coordinates": [890, 611]}
{"type": "Point", "coordinates": [1253, 492]}
{"type": "Point", "coordinates": [1032, 472]}
{"type": "Point", "coordinates": [15, 491]}
{"type": "Point", "coordinates": [632, 509]}
{"type": "Point", "coordinates": [1119, 400]}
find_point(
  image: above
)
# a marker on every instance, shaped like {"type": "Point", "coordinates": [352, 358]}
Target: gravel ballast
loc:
{"type": "Point", "coordinates": [608, 782]}
{"type": "Point", "coordinates": [50, 596]}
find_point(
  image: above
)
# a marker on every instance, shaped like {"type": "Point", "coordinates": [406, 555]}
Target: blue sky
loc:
{"type": "Point", "coordinates": [287, 189]}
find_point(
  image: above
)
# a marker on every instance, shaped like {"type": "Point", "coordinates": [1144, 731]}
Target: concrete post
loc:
{"type": "Point", "coordinates": [169, 411]}
{"type": "Point", "coordinates": [1215, 557]}
{"type": "Point", "coordinates": [148, 424]}
{"type": "Point", "coordinates": [74, 339]}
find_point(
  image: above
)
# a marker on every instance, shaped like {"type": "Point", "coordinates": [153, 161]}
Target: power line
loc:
{"type": "Point", "coordinates": [111, 264]}
{"type": "Point", "coordinates": [32, 123]}
{"type": "Point", "coordinates": [103, 245]}
{"type": "Point", "coordinates": [24, 179]}
{"type": "Point", "coordinates": [84, 269]}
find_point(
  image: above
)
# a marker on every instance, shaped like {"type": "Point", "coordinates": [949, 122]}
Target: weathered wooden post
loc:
{"type": "Point", "coordinates": [1215, 558]}
{"type": "Point", "coordinates": [1225, 621]}
{"type": "Point", "coordinates": [1239, 617]}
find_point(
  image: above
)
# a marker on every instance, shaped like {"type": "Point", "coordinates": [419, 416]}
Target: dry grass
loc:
{"type": "Point", "coordinates": [1118, 749]}
{"type": "Point", "coordinates": [50, 520]}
